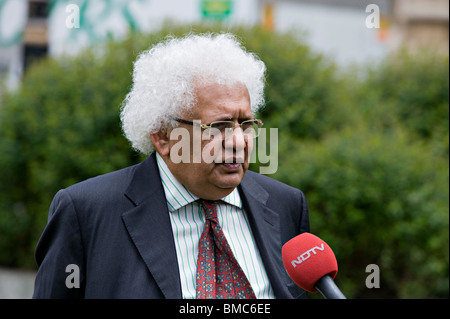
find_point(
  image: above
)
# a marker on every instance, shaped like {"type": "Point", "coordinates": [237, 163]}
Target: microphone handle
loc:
{"type": "Point", "coordinates": [328, 288]}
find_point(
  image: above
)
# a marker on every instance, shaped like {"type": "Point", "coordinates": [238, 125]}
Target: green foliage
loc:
{"type": "Point", "coordinates": [409, 90]}
{"type": "Point", "coordinates": [377, 199]}
{"type": "Point", "coordinates": [60, 127]}
{"type": "Point", "coordinates": [370, 153]}
{"type": "Point", "coordinates": [302, 87]}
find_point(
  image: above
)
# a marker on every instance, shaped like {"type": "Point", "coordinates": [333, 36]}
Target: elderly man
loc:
{"type": "Point", "coordinates": [199, 227]}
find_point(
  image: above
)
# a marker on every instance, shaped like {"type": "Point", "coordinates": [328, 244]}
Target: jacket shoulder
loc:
{"type": "Point", "coordinates": [272, 186]}
{"type": "Point", "coordinates": [101, 185]}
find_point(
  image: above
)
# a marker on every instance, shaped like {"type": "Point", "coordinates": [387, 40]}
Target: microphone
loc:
{"type": "Point", "coordinates": [312, 265]}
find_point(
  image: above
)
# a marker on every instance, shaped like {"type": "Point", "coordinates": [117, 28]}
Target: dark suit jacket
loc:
{"type": "Point", "coordinates": [116, 229]}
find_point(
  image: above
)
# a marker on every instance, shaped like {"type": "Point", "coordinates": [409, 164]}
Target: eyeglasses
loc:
{"type": "Point", "coordinates": [250, 128]}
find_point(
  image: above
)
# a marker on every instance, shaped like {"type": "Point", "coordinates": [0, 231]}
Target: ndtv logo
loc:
{"type": "Point", "coordinates": [306, 255]}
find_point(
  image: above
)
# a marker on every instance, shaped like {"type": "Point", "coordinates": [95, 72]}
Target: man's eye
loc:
{"type": "Point", "coordinates": [220, 126]}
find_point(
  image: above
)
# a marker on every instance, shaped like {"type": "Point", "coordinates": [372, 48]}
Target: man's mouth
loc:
{"type": "Point", "coordinates": [232, 164]}
{"type": "Point", "coordinates": [231, 167]}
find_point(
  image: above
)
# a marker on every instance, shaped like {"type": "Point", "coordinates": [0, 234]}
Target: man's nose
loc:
{"type": "Point", "coordinates": [236, 141]}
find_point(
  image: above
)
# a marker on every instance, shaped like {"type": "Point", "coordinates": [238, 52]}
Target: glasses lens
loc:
{"type": "Point", "coordinates": [251, 128]}
{"type": "Point", "coordinates": [223, 126]}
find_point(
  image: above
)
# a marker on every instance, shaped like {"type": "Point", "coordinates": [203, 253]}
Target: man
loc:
{"type": "Point", "coordinates": [189, 221]}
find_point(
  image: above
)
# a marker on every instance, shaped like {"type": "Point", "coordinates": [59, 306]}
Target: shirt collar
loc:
{"type": "Point", "coordinates": [177, 195]}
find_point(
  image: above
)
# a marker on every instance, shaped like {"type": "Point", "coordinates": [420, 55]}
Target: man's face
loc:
{"type": "Point", "coordinates": [217, 179]}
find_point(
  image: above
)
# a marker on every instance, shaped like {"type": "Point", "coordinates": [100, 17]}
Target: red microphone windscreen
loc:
{"type": "Point", "coordinates": [307, 258]}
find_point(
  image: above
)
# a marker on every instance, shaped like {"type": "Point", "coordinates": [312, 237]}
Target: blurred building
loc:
{"type": "Point", "coordinates": [422, 23]}
{"type": "Point", "coordinates": [13, 18]}
{"type": "Point", "coordinates": [35, 42]}
{"type": "Point", "coordinates": [30, 29]}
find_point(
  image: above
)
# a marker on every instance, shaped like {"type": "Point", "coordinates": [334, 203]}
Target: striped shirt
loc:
{"type": "Point", "coordinates": [188, 220]}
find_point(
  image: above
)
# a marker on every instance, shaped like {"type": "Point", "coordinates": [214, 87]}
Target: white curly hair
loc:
{"type": "Point", "coordinates": [164, 78]}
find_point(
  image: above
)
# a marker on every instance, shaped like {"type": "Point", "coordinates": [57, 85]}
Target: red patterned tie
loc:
{"type": "Point", "coordinates": [219, 275]}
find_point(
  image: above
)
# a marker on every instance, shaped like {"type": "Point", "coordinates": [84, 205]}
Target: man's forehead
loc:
{"type": "Point", "coordinates": [224, 100]}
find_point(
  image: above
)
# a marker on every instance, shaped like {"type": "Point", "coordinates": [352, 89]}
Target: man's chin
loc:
{"type": "Point", "coordinates": [229, 175]}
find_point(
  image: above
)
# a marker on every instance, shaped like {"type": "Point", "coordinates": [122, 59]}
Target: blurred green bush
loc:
{"type": "Point", "coordinates": [377, 198]}
{"type": "Point", "coordinates": [60, 127]}
{"type": "Point", "coordinates": [369, 149]}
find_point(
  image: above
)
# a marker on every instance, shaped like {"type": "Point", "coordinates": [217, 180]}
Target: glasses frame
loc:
{"type": "Point", "coordinates": [204, 126]}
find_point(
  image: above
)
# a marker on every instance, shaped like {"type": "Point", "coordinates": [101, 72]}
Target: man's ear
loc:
{"type": "Point", "coordinates": [161, 142]}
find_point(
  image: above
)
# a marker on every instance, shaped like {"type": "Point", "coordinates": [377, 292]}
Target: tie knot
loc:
{"type": "Point", "coordinates": [210, 209]}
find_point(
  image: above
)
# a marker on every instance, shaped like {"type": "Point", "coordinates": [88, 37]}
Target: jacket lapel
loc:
{"type": "Point", "coordinates": [264, 221]}
{"type": "Point", "coordinates": [149, 227]}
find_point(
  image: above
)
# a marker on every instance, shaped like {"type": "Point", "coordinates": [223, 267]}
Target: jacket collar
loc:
{"type": "Point", "coordinates": [263, 221]}
{"type": "Point", "coordinates": [149, 227]}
